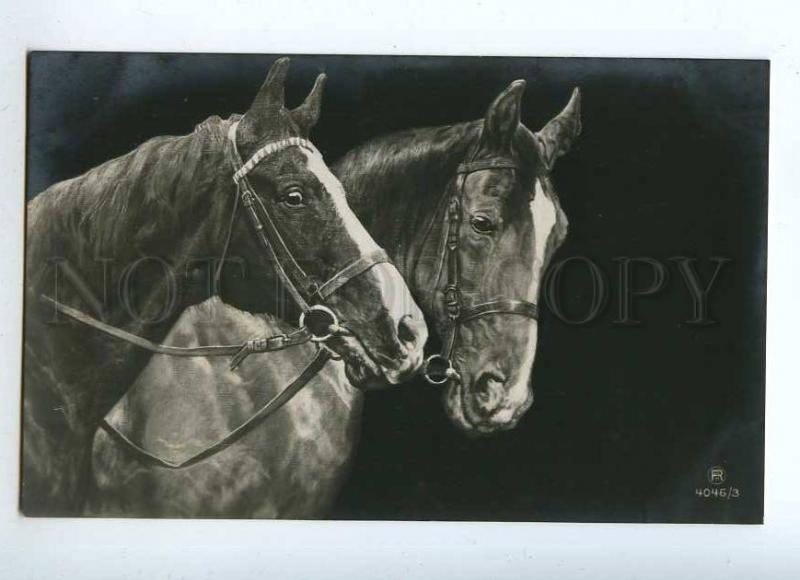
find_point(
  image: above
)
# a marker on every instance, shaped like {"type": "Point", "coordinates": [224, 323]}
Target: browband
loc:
{"type": "Point", "coordinates": [483, 164]}
{"type": "Point", "coordinates": [265, 151]}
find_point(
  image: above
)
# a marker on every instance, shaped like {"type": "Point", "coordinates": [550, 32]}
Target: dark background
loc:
{"type": "Point", "coordinates": [672, 162]}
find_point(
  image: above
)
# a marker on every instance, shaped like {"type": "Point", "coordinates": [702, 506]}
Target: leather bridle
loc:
{"type": "Point", "coordinates": [305, 290]}
{"type": "Point", "coordinates": [317, 323]}
{"type": "Point", "coordinates": [439, 369]}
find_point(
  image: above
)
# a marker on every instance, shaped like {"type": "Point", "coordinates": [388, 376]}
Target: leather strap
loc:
{"type": "Point", "coordinates": [238, 351]}
{"type": "Point", "coordinates": [452, 290]}
{"type": "Point", "coordinates": [249, 202]}
{"type": "Point", "coordinates": [293, 277]}
{"type": "Point", "coordinates": [270, 238]}
{"type": "Point", "coordinates": [268, 409]}
{"type": "Point", "coordinates": [504, 306]}
{"type": "Point", "coordinates": [352, 270]}
{"type": "Point", "coordinates": [265, 151]}
{"type": "Point", "coordinates": [484, 164]}
{"type": "Point", "coordinates": [301, 286]}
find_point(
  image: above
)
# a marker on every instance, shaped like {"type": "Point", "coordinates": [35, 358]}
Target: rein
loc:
{"type": "Point", "coordinates": [439, 369]}
{"type": "Point", "coordinates": [317, 323]}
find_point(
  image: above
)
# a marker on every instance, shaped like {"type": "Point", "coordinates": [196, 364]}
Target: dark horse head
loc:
{"type": "Point", "coordinates": [482, 192]}
{"type": "Point", "coordinates": [169, 207]}
{"type": "Point", "coordinates": [308, 204]}
{"type": "Point", "coordinates": [511, 223]}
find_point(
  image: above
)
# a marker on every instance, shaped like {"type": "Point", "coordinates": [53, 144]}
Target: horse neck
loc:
{"type": "Point", "coordinates": [165, 200]}
{"type": "Point", "coordinates": [396, 185]}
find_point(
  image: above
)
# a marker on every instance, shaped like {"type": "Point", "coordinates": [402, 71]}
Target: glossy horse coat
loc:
{"type": "Point", "coordinates": [287, 466]}
{"type": "Point", "coordinates": [396, 185]}
{"type": "Point", "coordinates": [166, 208]}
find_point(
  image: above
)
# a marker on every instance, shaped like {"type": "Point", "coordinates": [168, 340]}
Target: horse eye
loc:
{"type": "Point", "coordinates": [482, 224]}
{"type": "Point", "coordinates": [294, 198]}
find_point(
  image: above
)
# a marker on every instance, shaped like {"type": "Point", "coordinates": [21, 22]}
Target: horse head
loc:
{"type": "Point", "coordinates": [502, 225]}
{"type": "Point", "coordinates": [324, 239]}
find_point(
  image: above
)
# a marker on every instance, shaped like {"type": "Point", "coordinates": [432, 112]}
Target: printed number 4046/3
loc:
{"type": "Point", "coordinates": [720, 492]}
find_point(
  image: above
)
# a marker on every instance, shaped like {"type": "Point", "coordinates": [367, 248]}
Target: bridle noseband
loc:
{"type": "Point", "coordinates": [439, 369]}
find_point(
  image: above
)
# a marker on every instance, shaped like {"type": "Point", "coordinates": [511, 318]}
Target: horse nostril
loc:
{"type": "Point", "coordinates": [489, 381]}
{"type": "Point", "coordinates": [407, 329]}
{"type": "Point", "coordinates": [488, 391]}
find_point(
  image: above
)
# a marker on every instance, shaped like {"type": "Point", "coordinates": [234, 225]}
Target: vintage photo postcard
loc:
{"type": "Point", "coordinates": [395, 288]}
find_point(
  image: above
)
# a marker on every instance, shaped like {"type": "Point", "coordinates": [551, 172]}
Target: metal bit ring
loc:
{"type": "Point", "coordinates": [323, 322]}
{"type": "Point", "coordinates": [439, 376]}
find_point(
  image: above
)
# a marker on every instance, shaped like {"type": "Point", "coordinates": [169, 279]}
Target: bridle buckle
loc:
{"type": "Point", "coordinates": [452, 300]}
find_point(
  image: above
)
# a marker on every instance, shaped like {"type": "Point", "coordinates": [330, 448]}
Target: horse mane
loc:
{"type": "Point", "coordinates": [129, 203]}
{"type": "Point", "coordinates": [411, 166]}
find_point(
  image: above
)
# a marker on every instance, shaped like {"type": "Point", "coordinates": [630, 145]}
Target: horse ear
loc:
{"type": "Point", "coordinates": [557, 136]}
{"type": "Point", "coordinates": [503, 118]}
{"type": "Point", "coordinates": [307, 114]}
{"type": "Point", "coordinates": [270, 96]}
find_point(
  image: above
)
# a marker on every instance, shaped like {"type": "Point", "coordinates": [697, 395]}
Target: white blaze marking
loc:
{"type": "Point", "coordinates": [543, 216]}
{"type": "Point", "coordinates": [395, 296]}
{"type": "Point", "coordinates": [352, 225]}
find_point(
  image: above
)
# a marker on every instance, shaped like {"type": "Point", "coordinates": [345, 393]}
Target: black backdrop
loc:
{"type": "Point", "coordinates": [672, 162]}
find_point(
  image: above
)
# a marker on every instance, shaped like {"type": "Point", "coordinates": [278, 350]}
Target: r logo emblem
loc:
{"type": "Point", "coordinates": [716, 475]}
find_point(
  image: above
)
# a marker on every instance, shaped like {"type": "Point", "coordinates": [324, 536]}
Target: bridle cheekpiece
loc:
{"type": "Point", "coordinates": [438, 369]}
